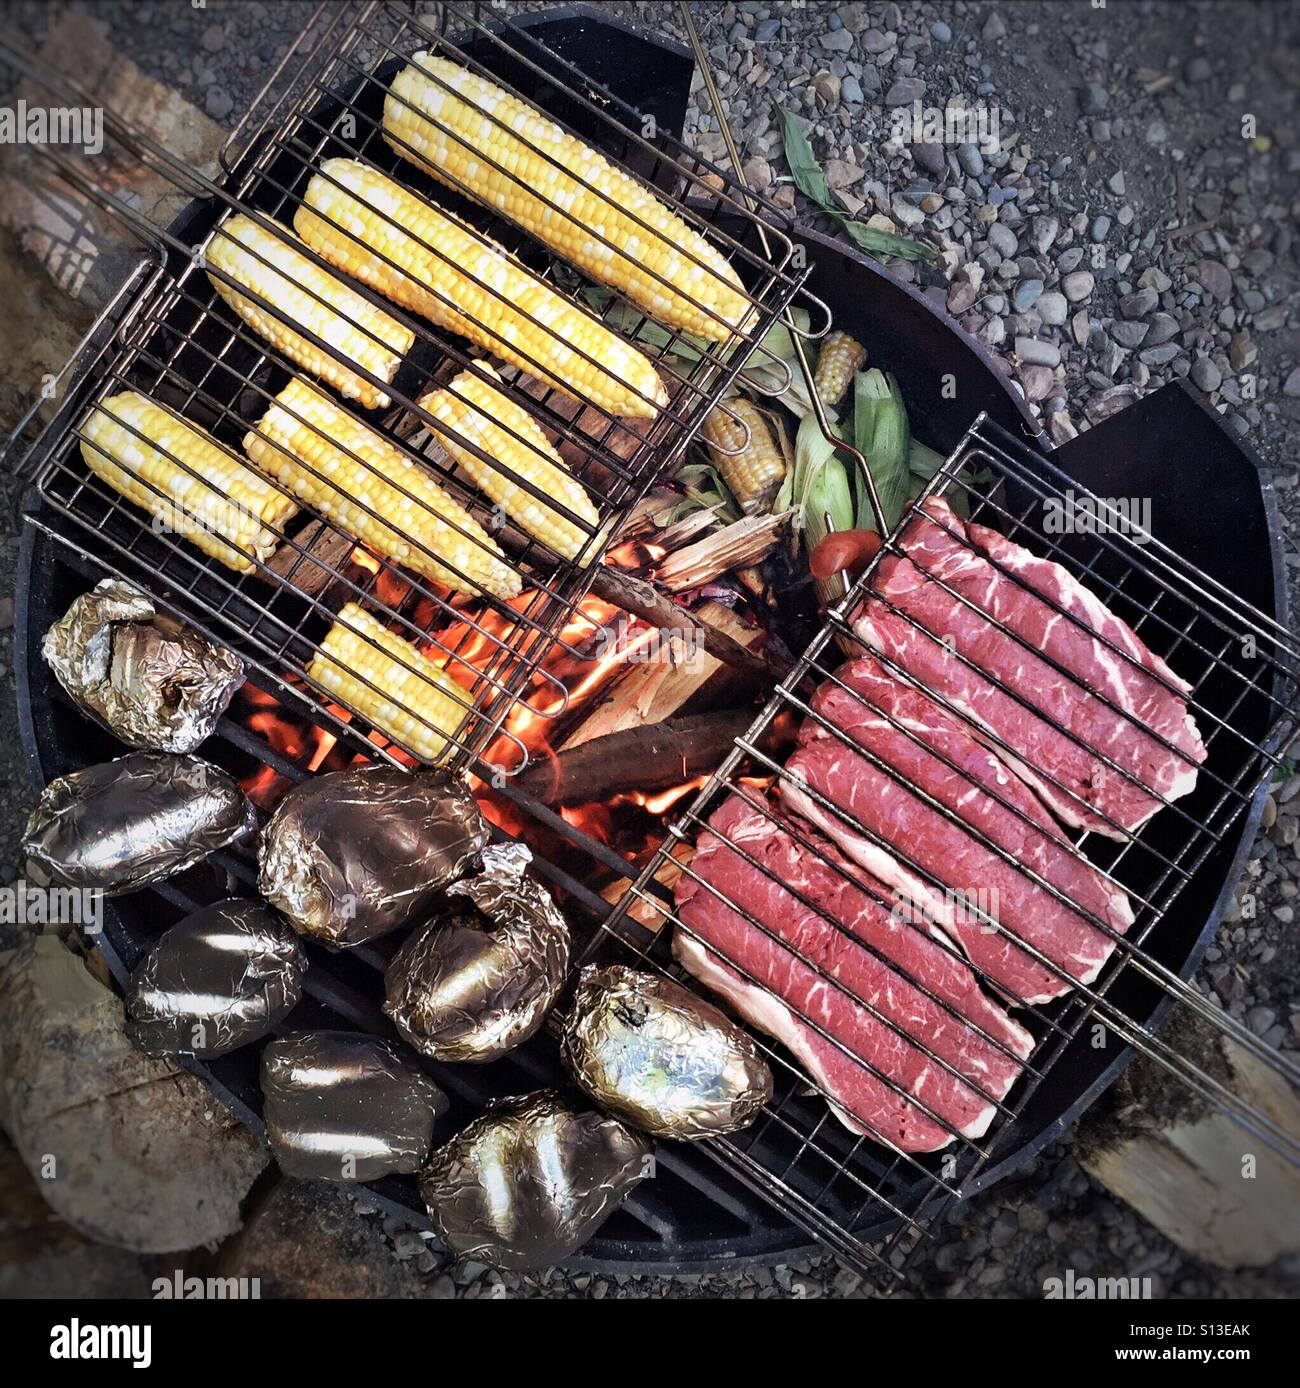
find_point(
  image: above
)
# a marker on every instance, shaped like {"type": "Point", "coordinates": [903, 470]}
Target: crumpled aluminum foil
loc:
{"type": "Point", "coordinates": [653, 1054]}
{"type": "Point", "coordinates": [215, 981]}
{"type": "Point", "coordinates": [527, 1184]}
{"type": "Point", "coordinates": [354, 854]}
{"type": "Point", "coordinates": [346, 1107]}
{"type": "Point", "coordinates": [472, 986]}
{"type": "Point", "coordinates": [151, 685]}
{"type": "Point", "coordinates": [126, 823]}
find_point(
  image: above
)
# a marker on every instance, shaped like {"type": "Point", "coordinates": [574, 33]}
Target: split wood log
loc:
{"type": "Point", "coordinates": [739, 545]}
{"type": "Point", "coordinates": [642, 599]}
{"type": "Point", "coordinates": [314, 559]}
{"type": "Point", "coordinates": [647, 515]}
{"type": "Point", "coordinates": [652, 757]}
{"type": "Point", "coordinates": [1209, 1185]}
{"type": "Point", "coordinates": [641, 910]}
{"type": "Point", "coordinates": [679, 679]}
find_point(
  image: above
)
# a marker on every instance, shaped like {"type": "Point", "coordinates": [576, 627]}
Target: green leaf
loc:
{"type": "Point", "coordinates": [821, 486]}
{"type": "Point", "coordinates": [811, 448]}
{"type": "Point", "coordinates": [784, 497]}
{"type": "Point", "coordinates": [633, 324]}
{"type": "Point", "coordinates": [705, 488]}
{"type": "Point", "coordinates": [811, 182]}
{"type": "Point", "coordinates": [877, 242]}
{"type": "Point", "coordinates": [808, 176]}
{"type": "Point", "coordinates": [777, 341]}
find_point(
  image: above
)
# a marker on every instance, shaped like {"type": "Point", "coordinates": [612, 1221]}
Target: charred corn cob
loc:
{"type": "Point", "coordinates": [215, 500]}
{"type": "Point", "coordinates": [479, 414]}
{"type": "Point", "coordinates": [469, 133]}
{"type": "Point", "coordinates": [366, 486]}
{"type": "Point", "coordinates": [840, 358]}
{"type": "Point", "coordinates": [384, 679]}
{"type": "Point", "coordinates": [444, 269]}
{"type": "Point", "coordinates": [270, 266]}
{"type": "Point", "coordinates": [753, 470]}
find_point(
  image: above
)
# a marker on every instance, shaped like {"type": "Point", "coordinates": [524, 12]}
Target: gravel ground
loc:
{"type": "Point", "coordinates": [1134, 228]}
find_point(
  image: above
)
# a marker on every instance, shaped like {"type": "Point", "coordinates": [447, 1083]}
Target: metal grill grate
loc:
{"type": "Point", "coordinates": [862, 1195]}
{"type": "Point", "coordinates": [188, 352]}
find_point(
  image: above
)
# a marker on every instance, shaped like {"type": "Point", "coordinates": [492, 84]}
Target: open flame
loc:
{"type": "Point", "coordinates": [598, 645]}
{"type": "Point", "coordinates": [303, 743]}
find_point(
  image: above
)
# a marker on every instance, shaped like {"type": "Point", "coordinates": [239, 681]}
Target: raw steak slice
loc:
{"type": "Point", "coordinates": [1087, 793]}
{"type": "Point", "coordinates": [847, 911]}
{"type": "Point", "coordinates": [906, 730]}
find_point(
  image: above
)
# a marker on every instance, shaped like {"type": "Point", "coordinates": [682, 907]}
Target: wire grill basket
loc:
{"type": "Point", "coordinates": [862, 1194]}
{"type": "Point", "coordinates": [188, 352]}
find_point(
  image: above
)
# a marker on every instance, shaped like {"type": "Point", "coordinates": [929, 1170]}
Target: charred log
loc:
{"type": "Point", "coordinates": [648, 758]}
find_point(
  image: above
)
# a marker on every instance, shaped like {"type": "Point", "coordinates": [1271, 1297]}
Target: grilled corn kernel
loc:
{"type": "Point", "coordinates": [211, 496]}
{"type": "Point", "coordinates": [474, 136]}
{"type": "Point", "coordinates": [438, 266]}
{"type": "Point", "coordinates": [385, 680]}
{"type": "Point", "coordinates": [753, 470]}
{"type": "Point", "coordinates": [371, 489]}
{"type": "Point", "coordinates": [481, 415]}
{"type": "Point", "coordinates": [271, 268]}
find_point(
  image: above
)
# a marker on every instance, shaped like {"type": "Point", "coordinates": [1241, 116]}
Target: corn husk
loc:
{"type": "Point", "coordinates": [883, 436]}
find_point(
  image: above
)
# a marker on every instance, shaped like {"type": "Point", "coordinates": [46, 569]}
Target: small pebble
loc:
{"type": "Point", "coordinates": [1078, 286]}
{"type": "Point", "coordinates": [1205, 375]}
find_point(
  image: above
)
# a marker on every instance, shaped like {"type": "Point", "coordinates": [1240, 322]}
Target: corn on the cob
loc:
{"type": "Point", "coordinates": [753, 470]}
{"type": "Point", "coordinates": [384, 679]}
{"type": "Point", "coordinates": [840, 358]}
{"type": "Point", "coordinates": [883, 436]}
{"type": "Point", "coordinates": [462, 281]}
{"type": "Point", "coordinates": [452, 122]}
{"type": "Point", "coordinates": [307, 442]}
{"type": "Point", "coordinates": [227, 509]}
{"type": "Point", "coordinates": [270, 266]}
{"type": "Point", "coordinates": [478, 413]}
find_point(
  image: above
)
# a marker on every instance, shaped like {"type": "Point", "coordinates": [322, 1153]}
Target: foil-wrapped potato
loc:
{"type": "Point", "coordinates": [345, 1107]}
{"type": "Point", "coordinates": [127, 823]}
{"type": "Point", "coordinates": [473, 985]}
{"type": "Point", "coordinates": [152, 683]}
{"type": "Point", "coordinates": [528, 1183]}
{"type": "Point", "coordinates": [653, 1054]}
{"type": "Point", "coordinates": [215, 981]}
{"type": "Point", "coordinates": [353, 854]}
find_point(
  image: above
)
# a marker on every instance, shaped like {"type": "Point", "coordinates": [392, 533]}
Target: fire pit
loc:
{"type": "Point", "coordinates": [763, 1195]}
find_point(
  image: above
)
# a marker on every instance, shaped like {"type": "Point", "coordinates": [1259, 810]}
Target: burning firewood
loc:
{"type": "Point", "coordinates": [642, 599]}
{"type": "Point", "coordinates": [687, 679]}
{"type": "Point", "coordinates": [666, 874]}
{"type": "Point", "coordinates": [653, 756]}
